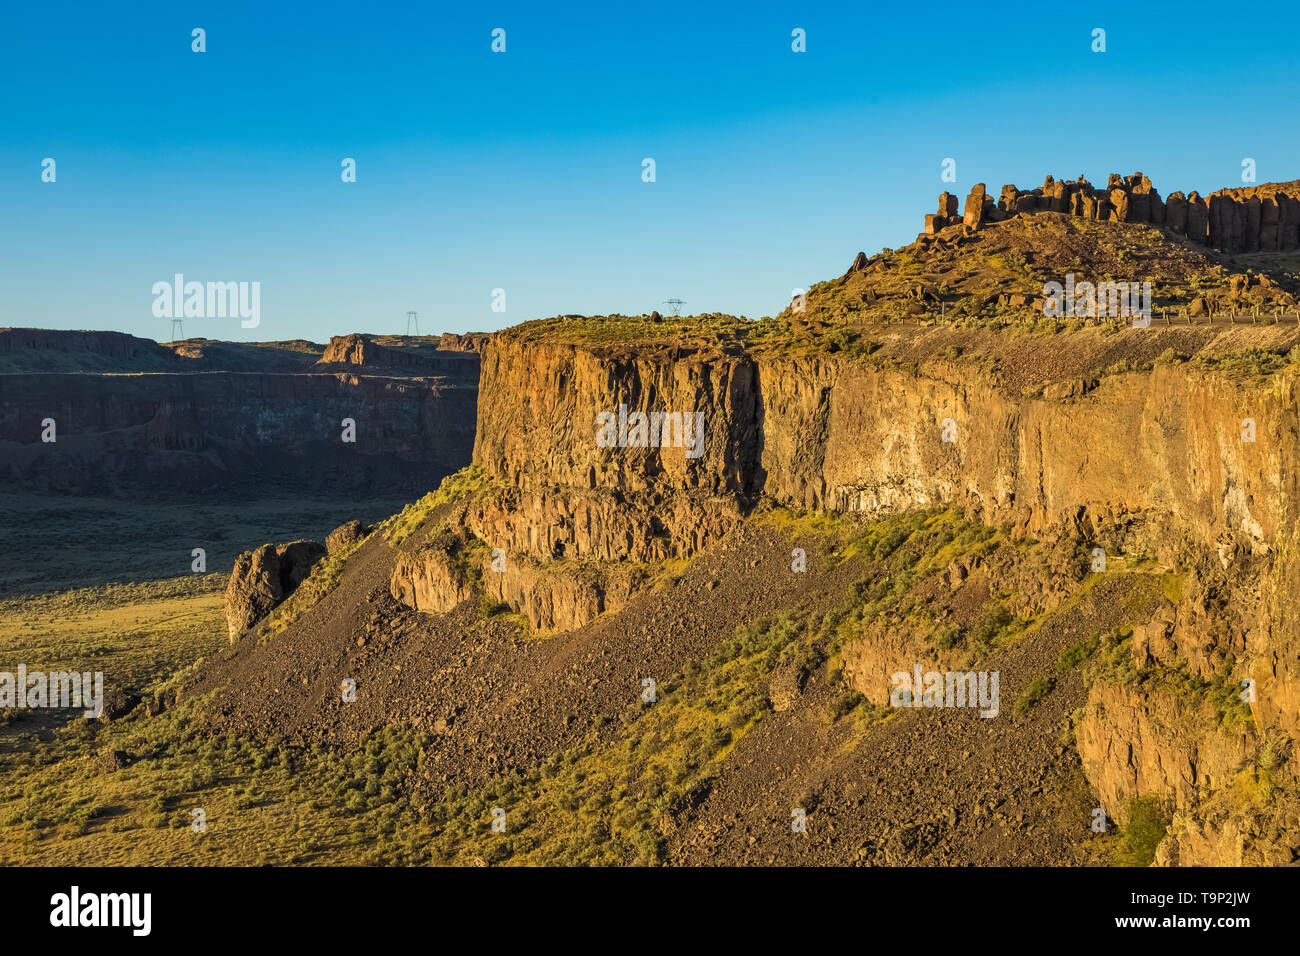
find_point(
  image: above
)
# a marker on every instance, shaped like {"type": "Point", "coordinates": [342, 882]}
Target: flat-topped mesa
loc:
{"type": "Point", "coordinates": [452, 353]}
{"type": "Point", "coordinates": [1260, 218]}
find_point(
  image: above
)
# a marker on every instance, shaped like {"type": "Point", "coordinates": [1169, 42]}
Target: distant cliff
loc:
{"type": "Point", "coordinates": [132, 416]}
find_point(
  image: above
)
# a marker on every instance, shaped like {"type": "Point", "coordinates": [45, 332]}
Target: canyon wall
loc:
{"type": "Point", "coordinates": [1153, 460]}
{"type": "Point", "coordinates": [267, 433]}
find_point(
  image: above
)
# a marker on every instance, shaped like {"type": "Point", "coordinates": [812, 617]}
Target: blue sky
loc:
{"type": "Point", "coordinates": [522, 170]}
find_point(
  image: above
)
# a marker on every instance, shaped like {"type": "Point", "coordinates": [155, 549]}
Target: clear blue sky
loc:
{"type": "Point", "coordinates": [522, 170]}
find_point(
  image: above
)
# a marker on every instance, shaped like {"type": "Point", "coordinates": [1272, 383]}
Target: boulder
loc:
{"type": "Point", "coordinates": [264, 577]}
{"type": "Point", "coordinates": [785, 686]}
{"type": "Point", "coordinates": [111, 761]}
{"type": "Point", "coordinates": [345, 536]}
{"type": "Point", "coordinates": [117, 703]}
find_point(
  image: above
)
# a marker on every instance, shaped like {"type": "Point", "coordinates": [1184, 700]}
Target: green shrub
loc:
{"type": "Point", "coordinates": [1147, 824]}
{"type": "Point", "coordinates": [1038, 688]}
{"type": "Point", "coordinates": [1076, 654]}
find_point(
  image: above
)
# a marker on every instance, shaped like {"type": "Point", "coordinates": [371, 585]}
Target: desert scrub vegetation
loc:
{"type": "Point", "coordinates": [74, 791]}
{"type": "Point", "coordinates": [1147, 823]}
{"type": "Point", "coordinates": [609, 800]}
{"type": "Point", "coordinates": [1037, 689]}
{"type": "Point", "coordinates": [603, 801]}
{"type": "Point", "coordinates": [264, 801]}
{"type": "Point", "coordinates": [1268, 775]}
{"type": "Point", "coordinates": [1243, 364]}
{"type": "Point", "coordinates": [634, 330]}
{"type": "Point", "coordinates": [137, 634]}
{"type": "Point", "coordinates": [851, 342]}
{"type": "Point", "coordinates": [1077, 653]}
{"type": "Point", "coordinates": [912, 550]}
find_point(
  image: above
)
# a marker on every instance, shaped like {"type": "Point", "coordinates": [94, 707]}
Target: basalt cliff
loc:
{"type": "Point", "coordinates": [103, 413]}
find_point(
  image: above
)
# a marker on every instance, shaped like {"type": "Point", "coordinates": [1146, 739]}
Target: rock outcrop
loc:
{"type": "Point", "coordinates": [345, 536]}
{"type": "Point", "coordinates": [1153, 459]}
{"type": "Point", "coordinates": [1260, 218]}
{"type": "Point", "coordinates": [264, 577]}
{"type": "Point", "coordinates": [454, 353]}
{"type": "Point", "coordinates": [561, 596]}
{"type": "Point", "coordinates": [1138, 743]}
{"type": "Point", "coordinates": [469, 342]}
{"type": "Point", "coordinates": [1149, 462]}
{"type": "Point", "coordinates": [428, 579]}
{"type": "Point", "coordinates": [34, 350]}
{"type": "Point", "coordinates": [553, 595]}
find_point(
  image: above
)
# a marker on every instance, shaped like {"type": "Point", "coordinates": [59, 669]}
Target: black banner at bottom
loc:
{"type": "Point", "coordinates": [330, 905]}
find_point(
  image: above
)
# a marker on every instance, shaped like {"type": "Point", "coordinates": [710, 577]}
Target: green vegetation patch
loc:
{"type": "Point", "coordinates": [1038, 688]}
{"type": "Point", "coordinates": [1112, 663]}
{"type": "Point", "coordinates": [1147, 824]}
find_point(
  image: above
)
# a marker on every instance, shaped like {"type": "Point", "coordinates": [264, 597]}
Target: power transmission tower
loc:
{"type": "Point", "coordinates": [675, 305]}
{"type": "Point", "coordinates": [178, 330]}
{"type": "Point", "coordinates": [412, 320]}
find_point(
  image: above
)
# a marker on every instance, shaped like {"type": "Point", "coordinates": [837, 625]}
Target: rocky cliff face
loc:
{"type": "Point", "coordinates": [1177, 460]}
{"type": "Point", "coordinates": [38, 349]}
{"type": "Point", "coordinates": [1135, 742]}
{"type": "Point", "coordinates": [537, 418]}
{"type": "Point", "coordinates": [1148, 460]}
